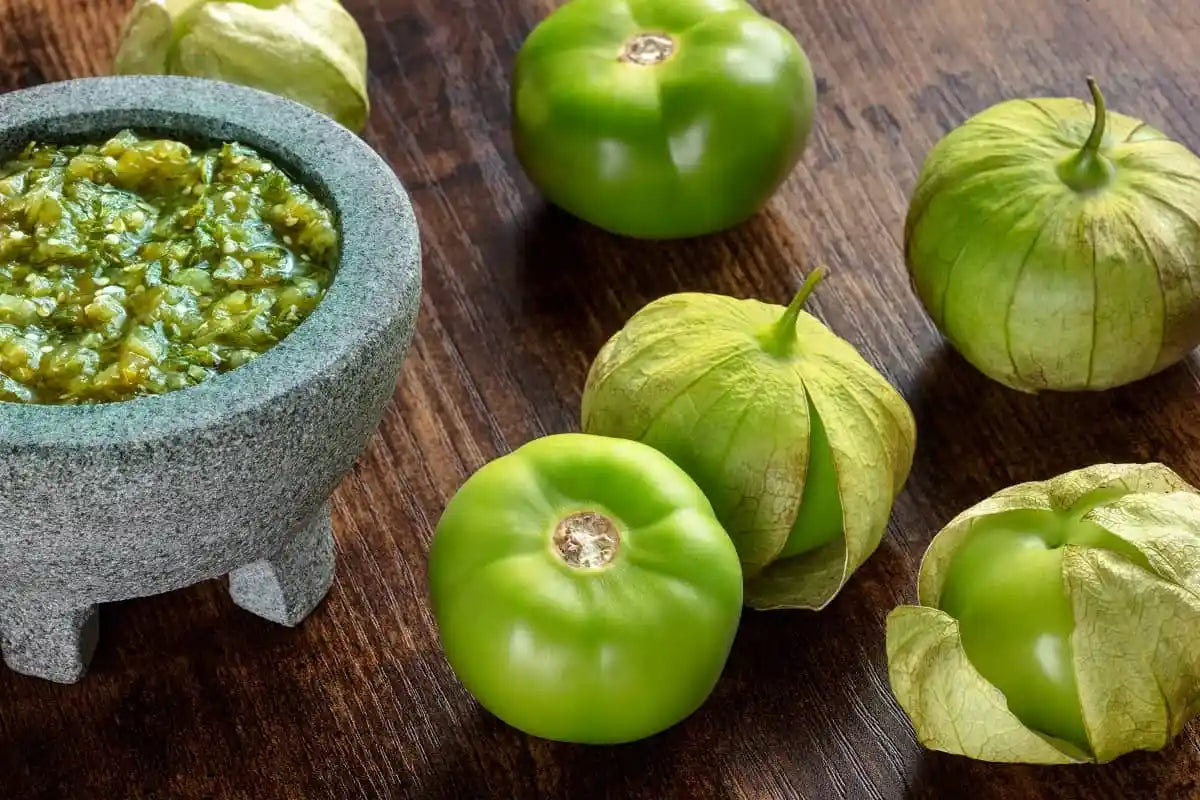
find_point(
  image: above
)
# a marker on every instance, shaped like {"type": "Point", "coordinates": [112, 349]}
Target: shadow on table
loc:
{"type": "Point", "coordinates": [1165, 775]}
{"type": "Point", "coordinates": [976, 436]}
{"type": "Point", "coordinates": [169, 701]}
{"type": "Point", "coordinates": [579, 284]}
{"type": "Point", "coordinates": [573, 286]}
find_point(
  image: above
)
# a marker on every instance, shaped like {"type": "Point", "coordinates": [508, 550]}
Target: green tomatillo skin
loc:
{"type": "Point", "coordinates": [819, 518]}
{"type": "Point", "coordinates": [583, 589]}
{"type": "Point", "coordinates": [1005, 587]}
{"type": "Point", "coordinates": [1055, 244]}
{"type": "Point", "coordinates": [1057, 620]}
{"type": "Point", "coordinates": [798, 442]}
{"type": "Point", "coordinates": [660, 118]}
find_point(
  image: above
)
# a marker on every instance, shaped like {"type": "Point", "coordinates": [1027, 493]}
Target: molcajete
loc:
{"type": "Point", "coordinates": [103, 502]}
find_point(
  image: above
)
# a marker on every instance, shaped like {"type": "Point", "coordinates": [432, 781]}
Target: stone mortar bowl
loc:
{"type": "Point", "coordinates": [232, 477]}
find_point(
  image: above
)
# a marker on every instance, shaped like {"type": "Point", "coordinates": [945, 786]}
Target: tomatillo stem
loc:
{"type": "Point", "coordinates": [1092, 145]}
{"type": "Point", "coordinates": [1089, 169]}
{"type": "Point", "coordinates": [780, 338]}
{"type": "Point", "coordinates": [648, 49]}
{"type": "Point", "coordinates": [586, 540]}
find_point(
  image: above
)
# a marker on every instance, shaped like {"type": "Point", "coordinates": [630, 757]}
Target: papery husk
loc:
{"type": "Point", "coordinates": [311, 51]}
{"type": "Point", "coordinates": [688, 376]}
{"type": "Point", "coordinates": [1136, 641]}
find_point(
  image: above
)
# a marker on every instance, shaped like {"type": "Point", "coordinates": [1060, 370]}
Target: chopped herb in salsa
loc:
{"type": "Point", "coordinates": [139, 266]}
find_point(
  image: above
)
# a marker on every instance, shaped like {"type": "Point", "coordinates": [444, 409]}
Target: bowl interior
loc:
{"type": "Point", "coordinates": [377, 279]}
{"type": "Point", "coordinates": [12, 140]}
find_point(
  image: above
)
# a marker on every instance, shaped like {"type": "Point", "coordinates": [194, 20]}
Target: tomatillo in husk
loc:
{"type": "Point", "coordinates": [660, 119]}
{"type": "Point", "coordinates": [583, 589]}
{"type": "Point", "coordinates": [798, 442]}
{"type": "Point", "coordinates": [1056, 244]}
{"type": "Point", "coordinates": [310, 51]}
{"type": "Point", "coordinates": [1058, 620]}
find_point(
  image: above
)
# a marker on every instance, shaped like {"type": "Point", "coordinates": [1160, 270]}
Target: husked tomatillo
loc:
{"type": "Point", "coordinates": [660, 119]}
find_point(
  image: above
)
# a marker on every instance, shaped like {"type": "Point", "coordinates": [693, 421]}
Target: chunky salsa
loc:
{"type": "Point", "coordinates": [138, 266]}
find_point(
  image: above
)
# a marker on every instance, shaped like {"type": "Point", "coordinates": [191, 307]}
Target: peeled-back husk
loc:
{"type": "Point", "coordinates": [1135, 644]}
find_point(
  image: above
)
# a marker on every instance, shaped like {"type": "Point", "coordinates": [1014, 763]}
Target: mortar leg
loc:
{"type": "Point", "coordinates": [45, 639]}
{"type": "Point", "coordinates": [287, 586]}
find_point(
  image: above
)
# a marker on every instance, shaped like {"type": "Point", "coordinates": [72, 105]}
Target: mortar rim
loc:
{"type": "Point", "coordinates": [377, 227]}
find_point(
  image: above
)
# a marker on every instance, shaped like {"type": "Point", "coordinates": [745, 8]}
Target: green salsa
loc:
{"type": "Point", "coordinates": [140, 266]}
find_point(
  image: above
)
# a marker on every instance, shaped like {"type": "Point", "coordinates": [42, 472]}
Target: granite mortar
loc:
{"type": "Point", "coordinates": [232, 477]}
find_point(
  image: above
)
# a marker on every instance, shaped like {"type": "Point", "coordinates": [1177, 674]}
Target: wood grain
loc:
{"type": "Point", "coordinates": [191, 698]}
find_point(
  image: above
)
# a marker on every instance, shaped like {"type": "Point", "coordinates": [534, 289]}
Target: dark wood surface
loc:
{"type": "Point", "coordinates": [190, 697]}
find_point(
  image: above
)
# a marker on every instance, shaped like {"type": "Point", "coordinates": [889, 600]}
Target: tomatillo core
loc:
{"type": "Point", "coordinates": [660, 119]}
{"type": "Point", "coordinates": [583, 589]}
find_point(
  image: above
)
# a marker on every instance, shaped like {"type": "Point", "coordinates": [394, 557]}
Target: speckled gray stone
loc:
{"type": "Point", "coordinates": [232, 477]}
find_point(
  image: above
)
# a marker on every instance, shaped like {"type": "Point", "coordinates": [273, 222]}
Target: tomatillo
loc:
{"type": "Point", "coordinates": [583, 589]}
{"type": "Point", "coordinates": [660, 119]}
{"type": "Point", "coordinates": [1058, 620]}
{"type": "Point", "coordinates": [798, 441]}
{"type": "Point", "coordinates": [1055, 244]}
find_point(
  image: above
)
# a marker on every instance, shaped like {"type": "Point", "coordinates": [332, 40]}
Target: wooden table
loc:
{"type": "Point", "coordinates": [189, 697]}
